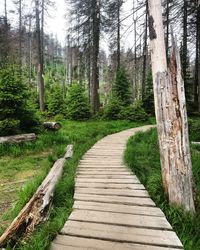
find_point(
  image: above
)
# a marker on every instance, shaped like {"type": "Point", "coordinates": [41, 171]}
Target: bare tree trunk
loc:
{"type": "Point", "coordinates": [167, 35]}
{"type": "Point", "coordinates": [171, 115]}
{"type": "Point", "coordinates": [20, 34]}
{"type": "Point", "coordinates": [30, 51]}
{"type": "Point", "coordinates": [145, 52]}
{"type": "Point", "coordinates": [40, 71]}
{"type": "Point", "coordinates": [118, 35]}
{"type": "Point", "coordinates": [95, 57]}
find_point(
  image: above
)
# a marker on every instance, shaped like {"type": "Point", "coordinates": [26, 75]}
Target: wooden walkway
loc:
{"type": "Point", "coordinates": [112, 210]}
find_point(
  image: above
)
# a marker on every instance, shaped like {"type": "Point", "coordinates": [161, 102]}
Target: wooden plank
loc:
{"type": "Point", "coordinates": [115, 199]}
{"type": "Point", "coordinates": [65, 242]}
{"type": "Point", "coordinates": [118, 208]}
{"type": "Point", "coordinates": [102, 166]}
{"type": "Point", "coordinates": [102, 180]}
{"type": "Point", "coordinates": [106, 176]}
{"type": "Point", "coordinates": [133, 220]}
{"type": "Point", "coordinates": [118, 192]}
{"type": "Point", "coordinates": [105, 171]}
{"type": "Point", "coordinates": [111, 185]}
{"type": "Point", "coordinates": [122, 234]}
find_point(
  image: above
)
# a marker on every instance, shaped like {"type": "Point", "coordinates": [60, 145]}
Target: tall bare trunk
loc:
{"type": "Point", "coordinates": [118, 35]}
{"type": "Point", "coordinates": [20, 33]}
{"type": "Point", "coordinates": [95, 57]}
{"type": "Point", "coordinates": [145, 52]}
{"type": "Point", "coordinates": [40, 70]}
{"type": "Point", "coordinates": [171, 115]}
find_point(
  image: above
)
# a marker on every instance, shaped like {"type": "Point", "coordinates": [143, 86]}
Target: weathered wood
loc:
{"type": "Point", "coordinates": [65, 242]}
{"type": "Point", "coordinates": [120, 219]}
{"type": "Point", "coordinates": [18, 138]}
{"type": "Point", "coordinates": [110, 191]}
{"type": "Point", "coordinates": [171, 115]}
{"type": "Point", "coordinates": [195, 143]}
{"type": "Point", "coordinates": [126, 186]}
{"type": "Point", "coordinates": [118, 208]}
{"type": "Point", "coordinates": [113, 199]}
{"type": "Point", "coordinates": [52, 125]}
{"type": "Point", "coordinates": [35, 211]}
{"type": "Point", "coordinates": [122, 234]}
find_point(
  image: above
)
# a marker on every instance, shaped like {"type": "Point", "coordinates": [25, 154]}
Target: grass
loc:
{"type": "Point", "coordinates": [142, 156]}
{"type": "Point", "coordinates": [23, 157]}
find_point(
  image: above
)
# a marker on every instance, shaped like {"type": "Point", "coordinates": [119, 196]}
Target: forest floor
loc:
{"type": "Point", "coordinates": [24, 166]}
{"type": "Point", "coordinates": [142, 156]}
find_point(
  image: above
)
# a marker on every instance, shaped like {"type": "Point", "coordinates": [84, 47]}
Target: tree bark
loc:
{"type": "Point", "coordinates": [145, 52]}
{"type": "Point", "coordinates": [95, 57]}
{"type": "Point", "coordinates": [18, 138]}
{"type": "Point", "coordinates": [36, 210]}
{"type": "Point", "coordinates": [171, 115]}
{"type": "Point", "coordinates": [118, 35]}
{"type": "Point", "coordinates": [40, 69]}
{"type": "Point", "coordinates": [52, 125]}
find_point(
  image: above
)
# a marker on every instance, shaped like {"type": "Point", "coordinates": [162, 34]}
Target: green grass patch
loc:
{"type": "Point", "coordinates": [142, 156]}
{"type": "Point", "coordinates": [82, 135]}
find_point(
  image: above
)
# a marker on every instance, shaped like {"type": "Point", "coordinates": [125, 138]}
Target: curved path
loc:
{"type": "Point", "coordinates": [112, 210]}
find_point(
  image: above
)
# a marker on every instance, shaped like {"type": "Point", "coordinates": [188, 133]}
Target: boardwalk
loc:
{"type": "Point", "coordinates": [112, 210]}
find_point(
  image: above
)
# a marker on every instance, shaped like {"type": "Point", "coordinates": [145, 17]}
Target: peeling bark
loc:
{"type": "Point", "coordinates": [36, 210]}
{"type": "Point", "coordinates": [171, 115]}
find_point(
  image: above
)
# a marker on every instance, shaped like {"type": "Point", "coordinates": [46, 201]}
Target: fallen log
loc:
{"type": "Point", "coordinates": [52, 125]}
{"type": "Point", "coordinates": [18, 138]}
{"type": "Point", "coordinates": [36, 210]}
{"type": "Point", "coordinates": [195, 143]}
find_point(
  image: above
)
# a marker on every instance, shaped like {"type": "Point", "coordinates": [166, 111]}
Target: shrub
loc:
{"type": "Point", "coordinates": [56, 104]}
{"type": "Point", "coordinates": [78, 107]}
{"type": "Point", "coordinates": [16, 112]}
{"type": "Point", "coordinates": [113, 109]}
{"type": "Point", "coordinates": [122, 87]}
{"type": "Point", "coordinates": [134, 112]}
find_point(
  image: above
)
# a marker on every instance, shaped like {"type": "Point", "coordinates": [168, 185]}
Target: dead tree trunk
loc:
{"type": "Point", "coordinates": [95, 57]}
{"type": "Point", "coordinates": [171, 115]}
{"type": "Point", "coordinates": [35, 211]}
{"type": "Point", "coordinates": [40, 69]}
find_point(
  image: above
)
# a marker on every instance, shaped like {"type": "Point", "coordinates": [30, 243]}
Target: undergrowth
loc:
{"type": "Point", "coordinates": [142, 156]}
{"type": "Point", "coordinates": [82, 135]}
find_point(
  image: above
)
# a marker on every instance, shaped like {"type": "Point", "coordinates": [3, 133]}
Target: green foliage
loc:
{"type": "Point", "coordinates": [82, 135]}
{"type": "Point", "coordinates": [194, 129]}
{"type": "Point", "coordinates": [55, 103]}
{"type": "Point", "coordinates": [113, 109]}
{"type": "Point", "coordinates": [122, 87]}
{"type": "Point", "coordinates": [78, 107]}
{"type": "Point", "coordinates": [148, 102]}
{"type": "Point", "coordinates": [16, 112]}
{"type": "Point", "coordinates": [134, 112]}
{"type": "Point", "coordinates": [142, 156]}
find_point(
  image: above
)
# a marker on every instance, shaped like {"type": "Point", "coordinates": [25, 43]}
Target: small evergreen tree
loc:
{"type": "Point", "coordinates": [122, 87]}
{"type": "Point", "coordinates": [78, 107]}
{"type": "Point", "coordinates": [113, 109]}
{"type": "Point", "coordinates": [56, 104]}
{"type": "Point", "coordinates": [16, 111]}
{"type": "Point", "coordinates": [148, 102]}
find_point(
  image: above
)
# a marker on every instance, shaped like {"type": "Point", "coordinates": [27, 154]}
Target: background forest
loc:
{"type": "Point", "coordinates": [114, 82]}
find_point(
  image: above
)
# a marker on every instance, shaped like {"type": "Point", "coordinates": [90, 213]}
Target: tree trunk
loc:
{"type": "Point", "coordinates": [118, 35]}
{"type": "Point", "coordinates": [95, 57]}
{"type": "Point", "coordinates": [17, 138]}
{"type": "Point", "coordinates": [185, 47]}
{"type": "Point", "coordinates": [35, 211]}
{"type": "Point", "coordinates": [40, 70]}
{"type": "Point", "coordinates": [52, 125]}
{"type": "Point", "coordinates": [167, 33]}
{"type": "Point", "coordinates": [171, 115]}
{"type": "Point", "coordinates": [20, 34]}
{"type": "Point", "coordinates": [145, 53]}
